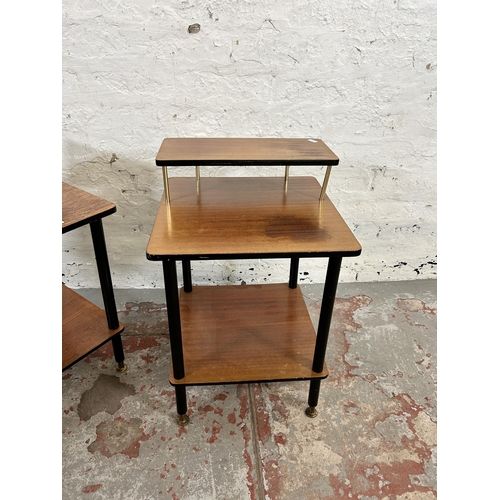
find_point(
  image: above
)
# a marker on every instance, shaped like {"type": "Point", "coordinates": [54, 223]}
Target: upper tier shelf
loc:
{"type": "Point", "coordinates": [237, 151]}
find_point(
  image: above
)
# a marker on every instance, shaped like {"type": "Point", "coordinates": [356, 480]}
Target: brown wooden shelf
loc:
{"type": "Point", "coordinates": [80, 207]}
{"type": "Point", "coordinates": [246, 333]}
{"type": "Point", "coordinates": [84, 327]}
{"type": "Point", "coordinates": [244, 217]}
{"type": "Point", "coordinates": [244, 151]}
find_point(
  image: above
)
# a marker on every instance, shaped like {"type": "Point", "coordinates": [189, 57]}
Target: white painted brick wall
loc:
{"type": "Point", "coordinates": [359, 75]}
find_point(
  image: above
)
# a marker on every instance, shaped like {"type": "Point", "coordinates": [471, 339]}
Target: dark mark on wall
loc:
{"type": "Point", "coordinates": [135, 191]}
{"type": "Point", "coordinates": [271, 23]}
{"type": "Point", "coordinates": [194, 28]}
{"type": "Point", "coordinates": [375, 171]}
{"type": "Point", "coordinates": [407, 229]}
{"type": "Point", "coordinates": [211, 15]}
{"type": "Point", "coordinates": [431, 263]}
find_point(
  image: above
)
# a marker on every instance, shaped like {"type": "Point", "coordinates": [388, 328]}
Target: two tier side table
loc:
{"type": "Point", "coordinates": [85, 327]}
{"type": "Point", "coordinates": [246, 333]}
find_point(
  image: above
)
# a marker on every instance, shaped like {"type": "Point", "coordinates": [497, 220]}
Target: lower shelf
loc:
{"type": "Point", "coordinates": [246, 333]}
{"type": "Point", "coordinates": [84, 327]}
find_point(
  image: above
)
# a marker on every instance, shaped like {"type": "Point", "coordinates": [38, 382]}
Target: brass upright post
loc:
{"type": "Point", "coordinates": [325, 182]}
{"type": "Point", "coordinates": [165, 184]}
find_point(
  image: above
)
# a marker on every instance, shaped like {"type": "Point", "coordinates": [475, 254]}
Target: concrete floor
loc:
{"type": "Point", "coordinates": [374, 438]}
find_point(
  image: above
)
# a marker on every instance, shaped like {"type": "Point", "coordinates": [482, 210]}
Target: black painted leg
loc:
{"type": "Point", "coordinates": [186, 275]}
{"type": "Point", "coordinates": [181, 402]}
{"type": "Point", "coordinates": [325, 318]}
{"type": "Point", "coordinates": [119, 354]}
{"type": "Point", "coordinates": [313, 398]}
{"type": "Point", "coordinates": [174, 325]}
{"type": "Point", "coordinates": [101, 257]}
{"type": "Point", "coordinates": [325, 315]}
{"type": "Point", "coordinates": [174, 317]}
{"type": "Point", "coordinates": [294, 272]}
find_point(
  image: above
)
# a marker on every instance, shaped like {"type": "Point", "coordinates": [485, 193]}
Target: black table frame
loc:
{"type": "Point", "coordinates": [108, 297]}
{"type": "Point", "coordinates": [174, 319]}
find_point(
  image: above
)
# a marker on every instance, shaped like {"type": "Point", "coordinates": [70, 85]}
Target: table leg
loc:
{"type": "Point", "coordinates": [101, 257]}
{"type": "Point", "coordinates": [174, 325]}
{"type": "Point", "coordinates": [313, 398]}
{"type": "Point", "coordinates": [119, 354]}
{"type": "Point", "coordinates": [181, 402]}
{"type": "Point", "coordinates": [294, 272]}
{"type": "Point", "coordinates": [325, 318]}
{"type": "Point", "coordinates": [186, 275]}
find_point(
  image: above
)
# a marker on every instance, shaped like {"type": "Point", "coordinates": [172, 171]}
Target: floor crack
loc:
{"type": "Point", "coordinates": [255, 442]}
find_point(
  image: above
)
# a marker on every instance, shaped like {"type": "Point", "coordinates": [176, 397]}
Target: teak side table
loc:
{"type": "Point", "coordinates": [85, 327]}
{"type": "Point", "coordinates": [250, 333]}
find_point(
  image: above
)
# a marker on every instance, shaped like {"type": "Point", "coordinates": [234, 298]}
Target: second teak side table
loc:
{"type": "Point", "coordinates": [85, 327]}
{"type": "Point", "coordinates": [250, 333]}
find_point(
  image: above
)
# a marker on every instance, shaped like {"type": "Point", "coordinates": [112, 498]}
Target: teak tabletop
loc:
{"type": "Point", "coordinates": [241, 151]}
{"type": "Point", "coordinates": [80, 207]}
{"type": "Point", "coordinates": [245, 216]}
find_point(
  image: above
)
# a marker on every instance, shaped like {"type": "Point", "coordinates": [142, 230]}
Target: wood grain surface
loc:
{"type": "Point", "coordinates": [84, 327]}
{"type": "Point", "coordinates": [80, 207]}
{"type": "Point", "coordinates": [248, 216]}
{"type": "Point", "coordinates": [246, 333]}
{"type": "Point", "coordinates": [244, 151]}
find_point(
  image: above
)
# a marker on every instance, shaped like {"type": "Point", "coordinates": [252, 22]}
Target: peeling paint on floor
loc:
{"type": "Point", "coordinates": [119, 436]}
{"type": "Point", "coordinates": [105, 395]}
{"type": "Point", "coordinates": [374, 437]}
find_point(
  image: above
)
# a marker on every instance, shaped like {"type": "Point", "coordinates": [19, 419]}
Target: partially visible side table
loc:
{"type": "Point", "coordinates": [251, 333]}
{"type": "Point", "coordinates": [85, 327]}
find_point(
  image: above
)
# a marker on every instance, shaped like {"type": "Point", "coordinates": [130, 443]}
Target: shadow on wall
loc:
{"type": "Point", "coordinates": [135, 186]}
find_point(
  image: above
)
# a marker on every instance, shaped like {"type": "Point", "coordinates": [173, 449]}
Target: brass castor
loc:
{"type": "Point", "coordinates": [311, 412]}
{"type": "Point", "coordinates": [121, 367]}
{"type": "Point", "coordinates": [183, 420]}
